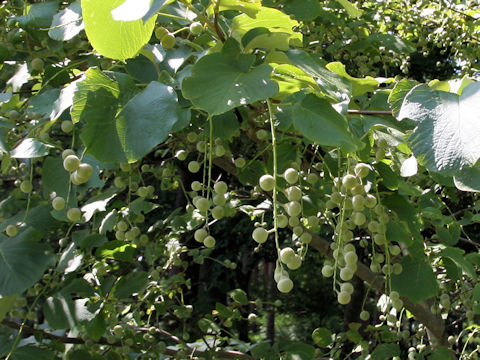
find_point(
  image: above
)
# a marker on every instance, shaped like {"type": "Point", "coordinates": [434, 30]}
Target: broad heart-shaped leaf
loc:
{"type": "Point", "coordinates": [447, 137]}
{"type": "Point", "coordinates": [67, 23]}
{"type": "Point", "coordinates": [360, 86]}
{"type": "Point", "coordinates": [223, 81]}
{"type": "Point", "coordinates": [401, 89]}
{"type": "Point", "coordinates": [22, 261]}
{"type": "Point", "coordinates": [317, 120]}
{"type": "Point", "coordinates": [272, 19]}
{"type": "Point", "coordinates": [468, 179]}
{"type": "Point", "coordinates": [147, 120]}
{"type": "Point", "coordinates": [417, 281]}
{"type": "Point", "coordinates": [114, 39]}
{"type": "Point", "coordinates": [118, 136]}
{"type": "Point", "coordinates": [351, 9]}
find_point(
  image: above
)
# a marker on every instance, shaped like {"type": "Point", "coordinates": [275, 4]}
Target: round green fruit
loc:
{"type": "Point", "coordinates": [193, 166]}
{"type": "Point", "coordinates": [67, 152]}
{"type": "Point", "coordinates": [74, 214]}
{"type": "Point", "coordinates": [67, 126]}
{"type": "Point", "coordinates": [220, 187]}
{"type": "Point", "coordinates": [240, 162]}
{"type": "Point", "coordinates": [160, 32]}
{"type": "Point", "coordinates": [287, 254]}
{"type": "Point", "coordinates": [168, 41]}
{"type": "Point", "coordinates": [26, 186]}
{"type": "Point", "coordinates": [260, 235]}
{"type": "Point", "coordinates": [11, 230]}
{"type": "Point", "coordinates": [37, 64]}
{"type": "Point", "coordinates": [285, 285]}
{"type": "Point", "coordinates": [58, 203]}
{"type": "Point", "coordinates": [71, 163]}
{"type": "Point", "coordinates": [267, 182]}
{"type": "Point", "coordinates": [294, 208]}
{"type": "Point", "coordinates": [343, 298]}
{"type": "Point", "coordinates": [209, 241]}
{"type": "Point", "coordinates": [85, 171]}
{"type": "Point", "coordinates": [196, 28]}
{"type": "Point", "coordinates": [291, 175]}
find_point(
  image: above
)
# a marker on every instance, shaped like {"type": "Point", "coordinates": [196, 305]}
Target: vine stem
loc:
{"type": "Point", "coordinates": [274, 197]}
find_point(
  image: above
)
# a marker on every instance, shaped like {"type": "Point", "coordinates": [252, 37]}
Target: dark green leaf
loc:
{"type": "Point", "coordinates": [223, 81]}
{"type": "Point", "coordinates": [385, 351]}
{"type": "Point", "coordinates": [303, 10]}
{"type": "Point", "coordinates": [322, 337]}
{"type": "Point", "coordinates": [297, 350]}
{"type": "Point", "coordinates": [318, 121]}
{"type": "Point", "coordinates": [468, 179]}
{"type": "Point", "coordinates": [417, 281]}
{"type": "Point", "coordinates": [261, 350]}
{"type": "Point", "coordinates": [457, 256]}
{"type": "Point", "coordinates": [130, 284]}
{"type": "Point", "coordinates": [440, 353]}
{"type": "Point", "coordinates": [39, 15]}
{"type": "Point", "coordinates": [392, 42]}
{"type": "Point", "coordinates": [65, 313]}
{"type": "Point", "coordinates": [22, 261]}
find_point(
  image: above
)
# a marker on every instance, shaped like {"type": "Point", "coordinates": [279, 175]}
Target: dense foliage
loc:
{"type": "Point", "coordinates": [239, 179]}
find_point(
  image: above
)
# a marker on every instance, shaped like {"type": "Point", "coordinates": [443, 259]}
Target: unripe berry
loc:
{"type": "Point", "coordinates": [26, 186]}
{"type": "Point", "coordinates": [294, 193]}
{"type": "Point", "coordinates": [282, 221]}
{"type": "Point", "coordinates": [193, 166]}
{"type": "Point", "coordinates": [58, 203]}
{"type": "Point", "coordinates": [240, 162]}
{"type": "Point", "coordinates": [71, 163]}
{"type": "Point", "coordinates": [67, 152]}
{"type": "Point", "coordinates": [327, 270]}
{"type": "Point", "coordinates": [74, 214]}
{"type": "Point", "coordinates": [67, 126]}
{"type": "Point", "coordinates": [85, 171]}
{"type": "Point", "coordinates": [364, 315]}
{"type": "Point", "coordinates": [285, 285]}
{"type": "Point", "coordinates": [200, 235]}
{"type": "Point", "coordinates": [346, 287]}
{"type": "Point", "coordinates": [209, 241]}
{"type": "Point", "coordinates": [196, 28]}
{"type": "Point", "coordinates": [220, 187]}
{"type": "Point", "coordinates": [202, 204]}
{"type": "Point", "coordinates": [11, 230]}
{"type": "Point", "coordinates": [291, 175]}
{"type": "Point", "coordinates": [343, 298]}
{"type": "Point", "coordinates": [260, 235]}
{"type": "Point", "coordinates": [294, 263]}
{"type": "Point", "coordinates": [218, 212]}
{"type": "Point", "coordinates": [346, 274]}
{"type": "Point", "coordinates": [361, 170]}
{"type": "Point", "coordinates": [267, 182]}
{"type": "Point", "coordinates": [287, 254]}
{"type": "Point", "coordinates": [37, 64]}
{"type": "Point", "coordinates": [168, 41]}
{"type": "Point", "coordinates": [294, 208]}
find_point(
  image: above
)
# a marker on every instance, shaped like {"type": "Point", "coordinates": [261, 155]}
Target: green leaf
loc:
{"type": "Point", "coordinates": [246, 7]}
{"type": "Point", "coordinates": [67, 23]}
{"type": "Point", "coordinates": [272, 19]}
{"type": "Point", "coordinates": [303, 10]}
{"type": "Point", "coordinates": [114, 39]}
{"type": "Point", "coordinates": [147, 120]}
{"type": "Point", "coordinates": [389, 178]}
{"type": "Point", "coordinates": [223, 81]}
{"type": "Point", "coordinates": [359, 86]}
{"type": "Point", "coordinates": [262, 38]}
{"type": "Point", "coordinates": [64, 313]}
{"type": "Point", "coordinates": [318, 121]}
{"type": "Point", "coordinates": [335, 86]}
{"type": "Point", "coordinates": [97, 326]}
{"type": "Point", "coordinates": [468, 179]}
{"type": "Point", "coordinates": [322, 337]}
{"type": "Point", "coordinates": [6, 304]}
{"type": "Point", "coordinates": [225, 126]}
{"type": "Point", "coordinates": [457, 256]}
{"type": "Point", "coordinates": [42, 104]}
{"type": "Point", "coordinates": [417, 281]}
{"type": "Point", "coordinates": [476, 293]}
{"type": "Point", "coordinates": [29, 148]}
{"type": "Point", "coordinates": [440, 353]}
{"type": "Point", "coordinates": [22, 261]}
{"type": "Point", "coordinates": [29, 352]}
{"type": "Point", "coordinates": [39, 15]}
{"type": "Point", "coordinates": [296, 350]}
{"type": "Point", "coordinates": [116, 249]}
{"type": "Point", "coordinates": [385, 351]}
{"type": "Point", "coordinates": [398, 93]}
{"type": "Point", "coordinates": [261, 350]}
{"type": "Point", "coordinates": [392, 42]}
{"type": "Point", "coordinates": [130, 284]}
{"type": "Point", "coordinates": [351, 9]}
{"type": "Point", "coordinates": [447, 136]}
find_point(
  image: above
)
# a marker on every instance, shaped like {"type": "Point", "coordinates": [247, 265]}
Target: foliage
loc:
{"type": "Point", "coordinates": [239, 179]}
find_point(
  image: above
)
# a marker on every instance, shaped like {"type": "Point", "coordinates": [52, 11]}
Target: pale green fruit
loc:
{"type": "Point", "coordinates": [343, 298]}
{"type": "Point", "coordinates": [220, 187]}
{"type": "Point", "coordinates": [58, 203]}
{"type": "Point", "coordinates": [291, 175]}
{"type": "Point", "coordinates": [193, 166]}
{"type": "Point", "coordinates": [287, 254]}
{"type": "Point", "coordinates": [37, 64]}
{"type": "Point", "coordinates": [196, 28]}
{"type": "Point", "coordinates": [294, 208]}
{"type": "Point", "coordinates": [285, 285]}
{"type": "Point", "coordinates": [71, 163]}
{"type": "Point", "coordinates": [67, 152]}
{"type": "Point", "coordinates": [218, 212]}
{"type": "Point", "coordinates": [267, 182]}
{"type": "Point", "coordinates": [74, 214]}
{"type": "Point", "coordinates": [168, 41]}
{"type": "Point", "coordinates": [209, 241]}
{"type": "Point", "coordinates": [67, 126]}
{"type": "Point", "coordinates": [240, 162]}
{"type": "Point", "coordinates": [294, 193]}
{"type": "Point", "coordinates": [85, 171]}
{"type": "Point", "coordinates": [294, 262]}
{"type": "Point", "coordinates": [200, 235]}
{"type": "Point", "coordinates": [260, 235]}
{"type": "Point", "coordinates": [26, 186]}
{"type": "Point", "coordinates": [11, 230]}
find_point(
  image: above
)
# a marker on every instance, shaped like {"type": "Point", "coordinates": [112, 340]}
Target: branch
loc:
{"type": "Point", "coordinates": [370, 112]}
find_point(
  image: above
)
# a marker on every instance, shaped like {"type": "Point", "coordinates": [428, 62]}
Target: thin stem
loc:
{"type": "Point", "coordinates": [274, 199]}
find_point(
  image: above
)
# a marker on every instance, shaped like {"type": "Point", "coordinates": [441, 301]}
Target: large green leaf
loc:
{"type": "Point", "coordinates": [398, 93]}
{"type": "Point", "coordinates": [39, 15]}
{"type": "Point", "coordinates": [6, 304]}
{"type": "Point", "coordinates": [29, 148]}
{"type": "Point", "coordinates": [22, 261]}
{"type": "Point", "coordinates": [385, 351]}
{"type": "Point", "coordinates": [360, 86]}
{"type": "Point", "coordinates": [225, 80]}
{"type": "Point", "coordinates": [331, 83]}
{"type": "Point", "coordinates": [144, 122]}
{"type": "Point", "coordinates": [303, 10]}
{"type": "Point", "coordinates": [417, 281]}
{"type": "Point", "coordinates": [114, 39]}
{"type": "Point", "coordinates": [447, 137]}
{"type": "Point", "coordinates": [318, 121]}
{"type": "Point", "coordinates": [65, 313]}
{"type": "Point", "coordinates": [272, 19]}
{"type": "Point", "coordinates": [468, 179]}
{"type": "Point", "coordinates": [147, 120]}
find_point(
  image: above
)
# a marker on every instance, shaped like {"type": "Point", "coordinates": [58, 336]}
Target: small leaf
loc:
{"type": "Point", "coordinates": [409, 167]}
{"type": "Point", "coordinates": [417, 281]}
{"type": "Point", "coordinates": [296, 350]}
{"type": "Point", "coordinates": [130, 284]}
{"type": "Point", "coordinates": [468, 179]}
{"type": "Point", "coordinates": [6, 304]}
{"type": "Point", "coordinates": [351, 9]}
{"type": "Point", "coordinates": [322, 337]}
{"type": "Point", "coordinates": [303, 10]}
{"type": "Point", "coordinates": [67, 23]}
{"type": "Point", "coordinates": [116, 249]}
{"type": "Point", "coordinates": [29, 148]}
